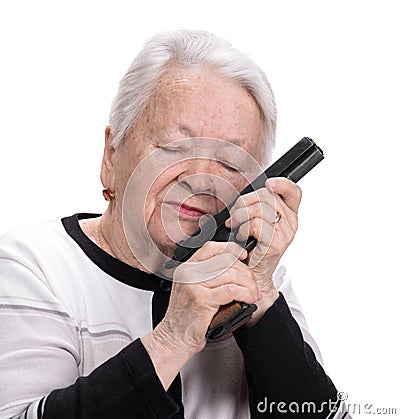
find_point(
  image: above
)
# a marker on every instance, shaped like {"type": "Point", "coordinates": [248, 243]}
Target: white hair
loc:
{"type": "Point", "coordinates": [185, 48]}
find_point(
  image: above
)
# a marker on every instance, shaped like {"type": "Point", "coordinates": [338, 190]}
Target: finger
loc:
{"type": "Point", "coordinates": [259, 210]}
{"type": "Point", "coordinates": [261, 230]}
{"type": "Point", "coordinates": [276, 243]}
{"type": "Point", "coordinates": [288, 190]}
{"type": "Point", "coordinates": [241, 276]}
{"type": "Point", "coordinates": [232, 292]}
{"type": "Point", "coordinates": [259, 195]}
{"type": "Point", "coordinates": [210, 264]}
{"type": "Point", "coordinates": [218, 263]}
{"type": "Point", "coordinates": [212, 249]}
{"type": "Point", "coordinates": [286, 214]}
{"type": "Point", "coordinates": [207, 270]}
{"type": "Point", "coordinates": [238, 274]}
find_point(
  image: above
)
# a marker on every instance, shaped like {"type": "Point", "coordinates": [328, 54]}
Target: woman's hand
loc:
{"type": "Point", "coordinates": [255, 214]}
{"type": "Point", "coordinates": [212, 277]}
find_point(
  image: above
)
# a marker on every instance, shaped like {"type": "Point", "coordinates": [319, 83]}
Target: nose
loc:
{"type": "Point", "coordinates": [198, 177]}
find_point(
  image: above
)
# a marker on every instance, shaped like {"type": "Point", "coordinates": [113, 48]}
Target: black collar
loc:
{"type": "Point", "coordinates": [109, 264]}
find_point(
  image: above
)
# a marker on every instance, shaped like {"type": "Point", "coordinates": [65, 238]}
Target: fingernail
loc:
{"type": "Point", "coordinates": [243, 255]}
{"type": "Point", "coordinates": [228, 222]}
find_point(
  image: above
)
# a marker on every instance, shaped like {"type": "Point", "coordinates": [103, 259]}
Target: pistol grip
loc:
{"type": "Point", "coordinates": [228, 318]}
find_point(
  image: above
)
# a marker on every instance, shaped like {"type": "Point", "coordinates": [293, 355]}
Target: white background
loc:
{"type": "Point", "coordinates": [334, 68]}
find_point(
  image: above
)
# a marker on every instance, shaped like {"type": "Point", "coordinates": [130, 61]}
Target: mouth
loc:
{"type": "Point", "coordinates": [187, 210]}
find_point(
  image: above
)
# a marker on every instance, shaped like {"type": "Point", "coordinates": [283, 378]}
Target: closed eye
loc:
{"type": "Point", "coordinates": [229, 166]}
{"type": "Point", "coordinates": [173, 149]}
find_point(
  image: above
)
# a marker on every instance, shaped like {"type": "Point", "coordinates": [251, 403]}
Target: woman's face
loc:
{"type": "Point", "coordinates": [199, 175]}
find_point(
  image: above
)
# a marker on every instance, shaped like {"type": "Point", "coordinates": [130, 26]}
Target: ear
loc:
{"type": "Point", "coordinates": [107, 174]}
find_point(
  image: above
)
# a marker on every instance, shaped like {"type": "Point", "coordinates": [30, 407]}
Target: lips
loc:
{"type": "Point", "coordinates": [187, 210]}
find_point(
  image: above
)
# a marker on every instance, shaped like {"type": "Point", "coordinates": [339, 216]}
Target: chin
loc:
{"type": "Point", "coordinates": [163, 243]}
{"type": "Point", "coordinates": [167, 235]}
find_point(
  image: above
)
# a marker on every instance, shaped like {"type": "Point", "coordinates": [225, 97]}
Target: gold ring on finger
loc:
{"type": "Point", "coordinates": [277, 218]}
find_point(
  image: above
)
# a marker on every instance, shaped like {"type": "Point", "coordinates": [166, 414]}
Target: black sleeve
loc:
{"type": "Point", "coordinates": [125, 386]}
{"type": "Point", "coordinates": [282, 368]}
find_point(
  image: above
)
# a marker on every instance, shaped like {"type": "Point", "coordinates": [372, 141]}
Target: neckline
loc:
{"type": "Point", "coordinates": [109, 264]}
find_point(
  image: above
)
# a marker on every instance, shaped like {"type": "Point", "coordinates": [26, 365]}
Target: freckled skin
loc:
{"type": "Point", "coordinates": [188, 103]}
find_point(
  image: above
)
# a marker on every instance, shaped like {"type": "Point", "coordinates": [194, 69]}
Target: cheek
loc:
{"type": "Point", "coordinates": [125, 166]}
{"type": "Point", "coordinates": [152, 206]}
{"type": "Point", "coordinates": [232, 185]}
{"type": "Point", "coordinates": [156, 195]}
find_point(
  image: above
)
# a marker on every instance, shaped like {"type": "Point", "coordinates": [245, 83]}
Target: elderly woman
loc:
{"type": "Point", "coordinates": [91, 327]}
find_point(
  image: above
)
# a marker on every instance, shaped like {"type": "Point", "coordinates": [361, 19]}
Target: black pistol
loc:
{"type": "Point", "coordinates": [294, 164]}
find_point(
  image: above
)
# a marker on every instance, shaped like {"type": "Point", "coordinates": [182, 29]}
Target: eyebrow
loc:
{"type": "Point", "coordinates": [187, 131]}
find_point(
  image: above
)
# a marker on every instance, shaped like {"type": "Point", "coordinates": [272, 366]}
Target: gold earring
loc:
{"type": "Point", "coordinates": [108, 195]}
